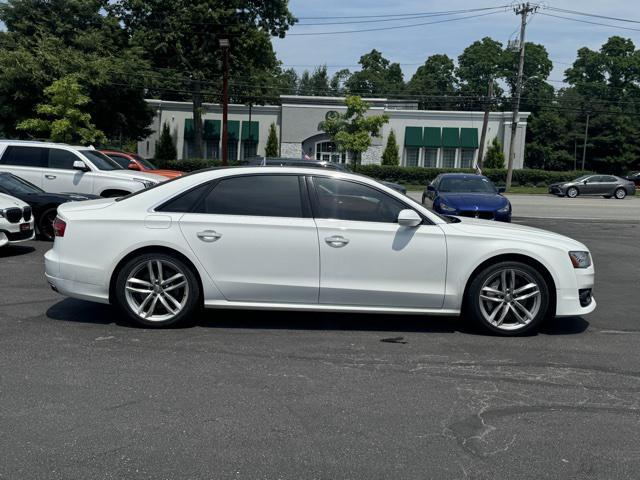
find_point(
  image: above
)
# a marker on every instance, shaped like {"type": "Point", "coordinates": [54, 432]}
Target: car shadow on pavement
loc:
{"type": "Point", "coordinates": [15, 251]}
{"type": "Point", "coordinates": [71, 310]}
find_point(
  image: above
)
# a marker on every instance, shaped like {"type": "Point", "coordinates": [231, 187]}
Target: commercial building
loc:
{"type": "Point", "coordinates": [427, 138]}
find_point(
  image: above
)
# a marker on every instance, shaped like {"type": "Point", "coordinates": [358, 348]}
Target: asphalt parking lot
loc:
{"type": "Point", "coordinates": [259, 395]}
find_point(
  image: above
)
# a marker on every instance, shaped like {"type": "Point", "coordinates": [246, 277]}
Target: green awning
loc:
{"type": "Point", "coordinates": [432, 137]}
{"type": "Point", "coordinates": [211, 130]}
{"type": "Point", "coordinates": [469, 138]}
{"type": "Point", "coordinates": [450, 137]}
{"type": "Point", "coordinates": [189, 131]}
{"type": "Point", "coordinates": [234, 130]}
{"type": "Point", "coordinates": [250, 131]}
{"type": "Point", "coordinates": [413, 137]}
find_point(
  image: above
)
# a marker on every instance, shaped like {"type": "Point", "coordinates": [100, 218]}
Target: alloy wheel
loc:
{"type": "Point", "coordinates": [620, 193]}
{"type": "Point", "coordinates": [572, 192]}
{"type": "Point", "coordinates": [509, 299]}
{"type": "Point", "coordinates": [156, 290]}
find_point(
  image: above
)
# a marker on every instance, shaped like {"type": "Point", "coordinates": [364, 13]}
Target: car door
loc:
{"type": "Point", "coordinates": [25, 161]}
{"type": "Point", "coordinates": [61, 177]}
{"type": "Point", "coordinates": [255, 237]}
{"type": "Point", "coordinates": [591, 186]}
{"type": "Point", "coordinates": [608, 185]}
{"type": "Point", "coordinates": [366, 258]}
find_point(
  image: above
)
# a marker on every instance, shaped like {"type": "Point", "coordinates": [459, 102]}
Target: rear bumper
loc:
{"type": "Point", "coordinates": [71, 288]}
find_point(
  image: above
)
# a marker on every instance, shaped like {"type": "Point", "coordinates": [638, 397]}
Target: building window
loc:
{"type": "Point", "coordinates": [249, 149]}
{"type": "Point", "coordinates": [232, 150]}
{"type": "Point", "coordinates": [212, 149]}
{"type": "Point", "coordinates": [431, 157]}
{"type": "Point", "coordinates": [189, 148]}
{"type": "Point", "coordinates": [412, 155]}
{"type": "Point", "coordinates": [466, 157]}
{"type": "Point", "coordinates": [448, 158]}
{"type": "Point", "coordinates": [328, 152]}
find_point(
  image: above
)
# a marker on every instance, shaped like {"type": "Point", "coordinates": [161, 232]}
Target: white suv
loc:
{"type": "Point", "coordinates": [59, 168]}
{"type": "Point", "coordinates": [16, 220]}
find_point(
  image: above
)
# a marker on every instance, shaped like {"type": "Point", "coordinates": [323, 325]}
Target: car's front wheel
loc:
{"type": "Point", "coordinates": [572, 192]}
{"type": "Point", "coordinates": [620, 193]}
{"type": "Point", "coordinates": [508, 298]}
{"type": "Point", "coordinates": [157, 290]}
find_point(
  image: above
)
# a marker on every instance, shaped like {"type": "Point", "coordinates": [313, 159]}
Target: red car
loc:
{"type": "Point", "coordinates": [136, 162]}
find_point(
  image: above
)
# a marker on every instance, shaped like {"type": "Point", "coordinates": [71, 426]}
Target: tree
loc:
{"type": "Point", "coordinates": [165, 148]}
{"type": "Point", "coordinates": [62, 120]}
{"type": "Point", "coordinates": [351, 131]}
{"type": "Point", "coordinates": [378, 76]}
{"type": "Point", "coordinates": [45, 41]}
{"type": "Point", "coordinates": [182, 38]}
{"type": "Point", "coordinates": [436, 78]}
{"type": "Point", "coordinates": [337, 82]}
{"type": "Point", "coordinates": [478, 64]}
{"type": "Point", "coordinates": [271, 150]}
{"type": "Point", "coordinates": [494, 158]}
{"type": "Point", "coordinates": [390, 155]}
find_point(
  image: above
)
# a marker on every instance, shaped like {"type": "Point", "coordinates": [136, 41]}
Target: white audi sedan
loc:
{"type": "Point", "coordinates": [300, 239]}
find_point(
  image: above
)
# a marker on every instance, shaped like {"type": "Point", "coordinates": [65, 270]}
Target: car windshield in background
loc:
{"type": "Point", "coordinates": [100, 160]}
{"type": "Point", "coordinates": [466, 185]}
{"type": "Point", "coordinates": [147, 164]}
{"type": "Point", "coordinates": [17, 186]}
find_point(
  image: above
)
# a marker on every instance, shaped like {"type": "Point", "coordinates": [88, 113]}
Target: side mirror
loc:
{"type": "Point", "coordinates": [409, 218]}
{"type": "Point", "coordinates": [584, 181]}
{"type": "Point", "coordinates": [80, 165]}
{"type": "Point", "coordinates": [430, 188]}
{"type": "Point", "coordinates": [502, 189]}
{"type": "Point", "coordinates": [134, 166]}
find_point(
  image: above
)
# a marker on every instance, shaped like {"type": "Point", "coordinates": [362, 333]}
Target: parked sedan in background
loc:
{"type": "Point", "coordinates": [43, 205]}
{"type": "Point", "coordinates": [467, 195]}
{"type": "Point", "coordinates": [132, 161]}
{"type": "Point", "coordinates": [606, 186]}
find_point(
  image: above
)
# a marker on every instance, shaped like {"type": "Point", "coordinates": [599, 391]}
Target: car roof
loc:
{"type": "Point", "coordinates": [35, 143]}
{"type": "Point", "coordinates": [461, 175]}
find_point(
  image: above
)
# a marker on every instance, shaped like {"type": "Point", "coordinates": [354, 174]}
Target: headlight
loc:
{"type": "Point", "coordinates": [580, 259]}
{"type": "Point", "coordinates": [505, 209]}
{"type": "Point", "coordinates": [446, 208]}
{"type": "Point", "coordinates": [145, 182]}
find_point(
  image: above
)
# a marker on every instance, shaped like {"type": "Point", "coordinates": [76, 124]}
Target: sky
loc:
{"type": "Point", "coordinates": [411, 46]}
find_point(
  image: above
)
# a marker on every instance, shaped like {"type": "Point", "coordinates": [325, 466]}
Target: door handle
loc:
{"type": "Point", "coordinates": [50, 177]}
{"type": "Point", "coordinates": [336, 241]}
{"type": "Point", "coordinates": [209, 235]}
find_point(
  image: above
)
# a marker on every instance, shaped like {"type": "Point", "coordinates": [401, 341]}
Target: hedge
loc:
{"type": "Point", "coordinates": [412, 175]}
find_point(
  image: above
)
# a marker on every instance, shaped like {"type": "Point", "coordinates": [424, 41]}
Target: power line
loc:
{"type": "Point", "coordinates": [594, 15]}
{"type": "Point", "coordinates": [403, 14]}
{"type": "Point", "coordinates": [339, 32]}
{"type": "Point", "coordinates": [590, 22]}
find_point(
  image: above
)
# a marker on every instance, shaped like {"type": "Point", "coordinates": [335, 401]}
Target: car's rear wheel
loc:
{"type": "Point", "coordinates": [572, 192]}
{"type": "Point", "coordinates": [508, 298]}
{"type": "Point", "coordinates": [45, 223]}
{"type": "Point", "coordinates": [620, 193]}
{"type": "Point", "coordinates": [157, 290]}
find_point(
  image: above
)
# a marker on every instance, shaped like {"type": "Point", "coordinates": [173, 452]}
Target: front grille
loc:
{"type": "Point", "coordinates": [16, 236]}
{"type": "Point", "coordinates": [476, 214]}
{"type": "Point", "coordinates": [26, 213]}
{"type": "Point", "coordinates": [13, 215]}
{"type": "Point", "coordinates": [555, 190]}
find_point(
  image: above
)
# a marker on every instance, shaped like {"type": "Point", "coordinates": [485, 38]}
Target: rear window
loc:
{"type": "Point", "coordinates": [25, 156]}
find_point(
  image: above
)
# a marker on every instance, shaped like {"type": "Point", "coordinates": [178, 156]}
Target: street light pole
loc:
{"type": "Point", "coordinates": [224, 45]}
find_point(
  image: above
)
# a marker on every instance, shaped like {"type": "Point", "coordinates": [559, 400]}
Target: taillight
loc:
{"type": "Point", "coordinates": [59, 227]}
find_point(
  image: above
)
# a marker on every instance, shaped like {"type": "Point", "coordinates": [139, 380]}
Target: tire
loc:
{"type": "Point", "coordinates": [572, 192]}
{"type": "Point", "coordinates": [620, 193]}
{"type": "Point", "coordinates": [45, 223]}
{"type": "Point", "coordinates": [606, 196]}
{"type": "Point", "coordinates": [508, 317]}
{"type": "Point", "coordinates": [162, 301]}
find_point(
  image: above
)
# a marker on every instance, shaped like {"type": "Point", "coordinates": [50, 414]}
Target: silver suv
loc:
{"type": "Point", "coordinates": [60, 168]}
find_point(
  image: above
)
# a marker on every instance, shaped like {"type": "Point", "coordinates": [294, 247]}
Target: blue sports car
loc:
{"type": "Point", "coordinates": [467, 195]}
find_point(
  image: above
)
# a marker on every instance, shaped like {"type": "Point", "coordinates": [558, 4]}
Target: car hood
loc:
{"type": "Point", "coordinates": [474, 201]}
{"type": "Point", "coordinates": [514, 231]}
{"type": "Point", "coordinates": [7, 201]}
{"type": "Point", "coordinates": [128, 174]}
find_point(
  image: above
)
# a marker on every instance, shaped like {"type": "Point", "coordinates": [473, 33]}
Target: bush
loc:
{"type": "Point", "coordinates": [494, 157]}
{"type": "Point", "coordinates": [423, 176]}
{"type": "Point", "coordinates": [190, 165]}
{"type": "Point", "coordinates": [165, 148]}
{"type": "Point", "coordinates": [390, 155]}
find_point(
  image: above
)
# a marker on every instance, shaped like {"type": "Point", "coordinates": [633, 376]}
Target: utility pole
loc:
{"type": "Point", "coordinates": [523, 10]}
{"type": "Point", "coordinates": [485, 123]}
{"type": "Point", "coordinates": [584, 145]}
{"type": "Point", "coordinates": [224, 45]}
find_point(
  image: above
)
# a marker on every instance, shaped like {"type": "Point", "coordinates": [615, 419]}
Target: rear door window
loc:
{"type": "Point", "coordinates": [61, 159]}
{"type": "Point", "coordinates": [25, 156]}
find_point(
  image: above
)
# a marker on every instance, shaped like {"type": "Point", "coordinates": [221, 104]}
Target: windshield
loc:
{"type": "Point", "coordinates": [147, 164]}
{"type": "Point", "coordinates": [466, 185]}
{"type": "Point", "coordinates": [17, 186]}
{"type": "Point", "coordinates": [100, 160]}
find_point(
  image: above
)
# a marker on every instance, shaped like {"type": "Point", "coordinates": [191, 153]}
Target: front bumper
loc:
{"type": "Point", "coordinates": [568, 299]}
{"type": "Point", "coordinates": [10, 233]}
{"type": "Point", "coordinates": [556, 190]}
